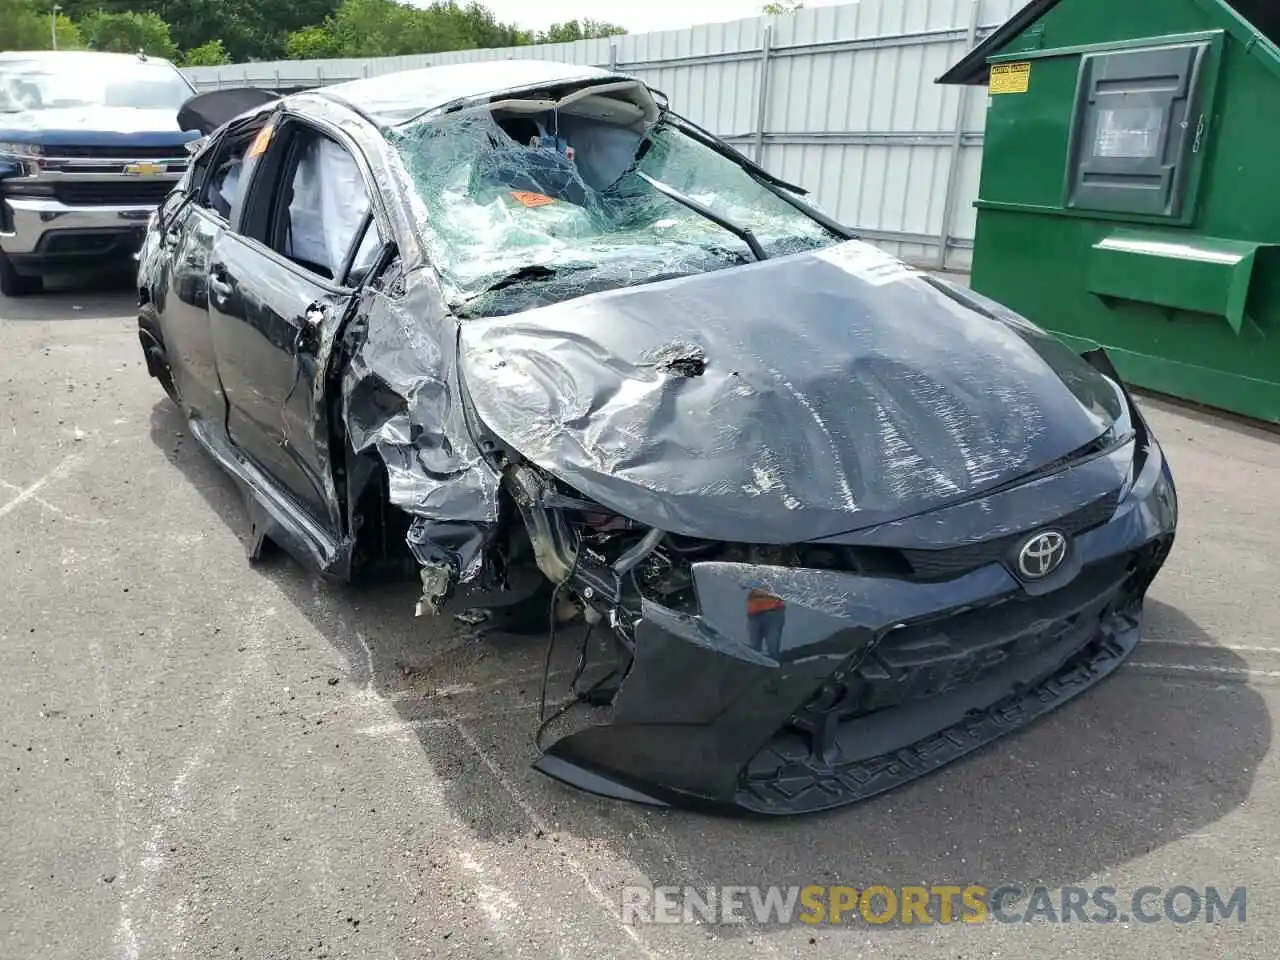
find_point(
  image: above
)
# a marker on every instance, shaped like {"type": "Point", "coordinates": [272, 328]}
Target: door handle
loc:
{"type": "Point", "coordinates": [219, 281]}
{"type": "Point", "coordinates": [308, 338]}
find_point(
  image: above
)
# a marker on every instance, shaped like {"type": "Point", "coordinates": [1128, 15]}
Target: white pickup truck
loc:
{"type": "Point", "coordinates": [89, 147]}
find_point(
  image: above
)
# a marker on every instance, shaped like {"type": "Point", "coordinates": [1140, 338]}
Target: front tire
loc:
{"type": "Point", "coordinates": [15, 284]}
{"type": "Point", "coordinates": [526, 617]}
{"type": "Point", "coordinates": [154, 352]}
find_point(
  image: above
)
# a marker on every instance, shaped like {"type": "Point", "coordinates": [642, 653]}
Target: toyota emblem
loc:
{"type": "Point", "coordinates": [1041, 555]}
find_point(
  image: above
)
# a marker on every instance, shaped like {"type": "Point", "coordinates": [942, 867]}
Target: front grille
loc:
{"type": "Point", "coordinates": [170, 152]}
{"type": "Point", "coordinates": [86, 243]}
{"type": "Point", "coordinates": [937, 688]}
{"type": "Point", "coordinates": [902, 564]}
{"type": "Point", "coordinates": [104, 192]}
{"type": "Point", "coordinates": [945, 564]}
{"type": "Point", "coordinates": [931, 657]}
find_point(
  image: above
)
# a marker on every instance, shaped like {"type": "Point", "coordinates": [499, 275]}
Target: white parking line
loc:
{"type": "Point", "coordinates": [140, 904]}
{"type": "Point", "coordinates": [54, 508]}
{"type": "Point", "coordinates": [397, 728]}
{"type": "Point", "coordinates": [29, 492]}
{"type": "Point", "coordinates": [454, 691]}
{"type": "Point", "coordinates": [535, 818]}
{"type": "Point", "coordinates": [1236, 672]}
{"type": "Point", "coordinates": [482, 884]}
{"type": "Point", "coordinates": [1209, 645]}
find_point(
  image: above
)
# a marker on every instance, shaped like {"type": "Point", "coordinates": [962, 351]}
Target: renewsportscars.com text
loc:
{"type": "Point", "coordinates": [881, 904]}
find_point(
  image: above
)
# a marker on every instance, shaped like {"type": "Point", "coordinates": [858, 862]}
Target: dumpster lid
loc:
{"type": "Point", "coordinates": [1245, 19]}
{"type": "Point", "coordinates": [1171, 268]}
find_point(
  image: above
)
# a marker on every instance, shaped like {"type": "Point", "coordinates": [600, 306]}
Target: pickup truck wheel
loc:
{"type": "Point", "coordinates": [14, 284]}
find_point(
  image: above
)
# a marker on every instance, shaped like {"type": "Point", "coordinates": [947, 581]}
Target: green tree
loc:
{"type": "Point", "coordinates": [379, 28]}
{"type": "Point", "coordinates": [572, 30]}
{"type": "Point", "coordinates": [25, 26]}
{"type": "Point", "coordinates": [69, 36]}
{"type": "Point", "coordinates": [487, 32]}
{"type": "Point", "coordinates": [129, 32]}
{"type": "Point", "coordinates": [208, 54]}
{"type": "Point", "coordinates": [785, 6]}
{"type": "Point", "coordinates": [315, 42]}
{"type": "Point", "coordinates": [374, 28]}
{"type": "Point", "coordinates": [305, 29]}
{"type": "Point", "coordinates": [248, 29]}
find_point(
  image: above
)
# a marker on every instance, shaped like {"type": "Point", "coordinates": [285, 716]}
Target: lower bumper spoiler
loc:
{"type": "Point", "coordinates": [823, 787]}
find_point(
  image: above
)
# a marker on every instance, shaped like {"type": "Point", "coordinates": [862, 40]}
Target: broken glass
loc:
{"type": "Point", "coordinates": [567, 195]}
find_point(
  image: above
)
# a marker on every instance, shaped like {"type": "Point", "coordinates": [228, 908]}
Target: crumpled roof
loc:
{"type": "Point", "coordinates": [397, 97]}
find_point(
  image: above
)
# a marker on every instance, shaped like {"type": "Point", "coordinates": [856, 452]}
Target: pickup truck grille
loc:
{"type": "Point", "coordinates": [105, 192]}
{"type": "Point", "coordinates": [169, 152]}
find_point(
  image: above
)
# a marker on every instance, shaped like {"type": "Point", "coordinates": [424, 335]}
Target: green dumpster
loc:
{"type": "Point", "coordinates": [1130, 190]}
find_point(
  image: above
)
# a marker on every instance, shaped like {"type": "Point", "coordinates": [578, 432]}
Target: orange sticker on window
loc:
{"type": "Point", "coordinates": [532, 199]}
{"type": "Point", "coordinates": [261, 142]}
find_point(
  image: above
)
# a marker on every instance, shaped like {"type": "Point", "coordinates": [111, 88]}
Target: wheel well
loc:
{"type": "Point", "coordinates": [377, 530]}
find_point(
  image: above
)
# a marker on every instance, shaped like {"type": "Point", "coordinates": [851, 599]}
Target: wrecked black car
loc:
{"type": "Point", "coordinates": [522, 328]}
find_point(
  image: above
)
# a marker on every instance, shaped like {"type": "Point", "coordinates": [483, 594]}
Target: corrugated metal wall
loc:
{"type": "Point", "coordinates": [840, 99]}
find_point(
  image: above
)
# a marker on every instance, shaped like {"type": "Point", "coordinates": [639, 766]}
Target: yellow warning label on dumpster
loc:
{"type": "Point", "coordinates": [1010, 77]}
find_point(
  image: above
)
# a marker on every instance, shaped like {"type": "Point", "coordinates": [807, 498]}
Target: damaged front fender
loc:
{"type": "Point", "coordinates": [401, 403]}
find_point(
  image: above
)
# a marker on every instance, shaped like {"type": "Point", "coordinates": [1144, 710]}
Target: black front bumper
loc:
{"type": "Point", "coordinates": [890, 679]}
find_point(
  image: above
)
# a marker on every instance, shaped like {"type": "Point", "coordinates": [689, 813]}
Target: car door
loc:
{"type": "Point", "coordinates": [189, 231]}
{"type": "Point", "coordinates": [279, 287]}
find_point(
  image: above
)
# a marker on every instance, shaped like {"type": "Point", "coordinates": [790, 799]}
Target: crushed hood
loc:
{"type": "Point", "coordinates": [782, 401]}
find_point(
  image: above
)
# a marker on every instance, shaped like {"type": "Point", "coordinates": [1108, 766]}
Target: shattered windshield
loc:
{"type": "Point", "coordinates": [519, 210]}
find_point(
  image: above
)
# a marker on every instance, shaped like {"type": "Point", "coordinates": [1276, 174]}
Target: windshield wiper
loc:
{"type": "Point", "coordinates": [712, 142]}
{"type": "Point", "coordinates": [787, 192]}
{"type": "Point", "coordinates": [742, 233]}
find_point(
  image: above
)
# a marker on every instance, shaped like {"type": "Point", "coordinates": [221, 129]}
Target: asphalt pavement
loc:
{"type": "Point", "coordinates": [202, 758]}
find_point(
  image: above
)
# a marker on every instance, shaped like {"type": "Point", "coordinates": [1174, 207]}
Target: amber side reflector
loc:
{"type": "Point", "coordinates": [760, 602]}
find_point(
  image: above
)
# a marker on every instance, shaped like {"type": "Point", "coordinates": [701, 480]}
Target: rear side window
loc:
{"type": "Point", "coordinates": [224, 181]}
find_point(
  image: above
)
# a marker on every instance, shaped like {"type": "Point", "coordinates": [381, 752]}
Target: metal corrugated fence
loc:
{"type": "Point", "coordinates": [840, 99]}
